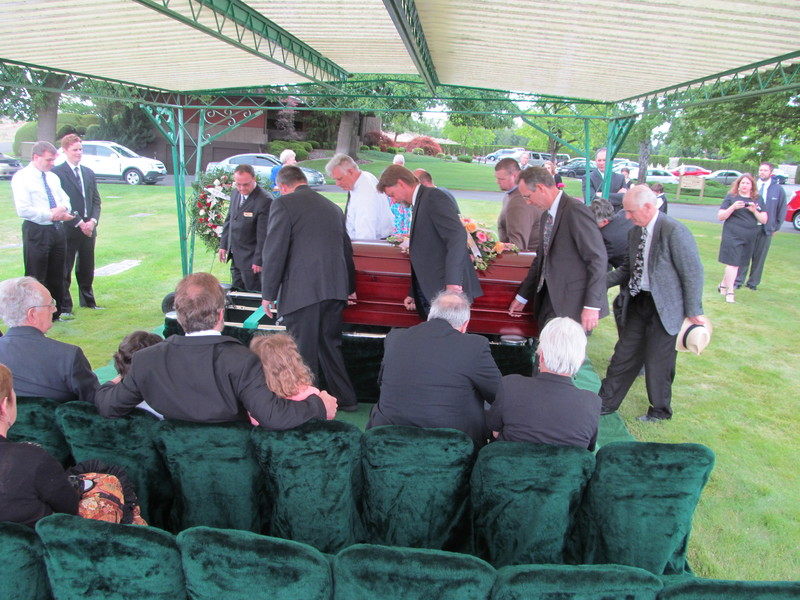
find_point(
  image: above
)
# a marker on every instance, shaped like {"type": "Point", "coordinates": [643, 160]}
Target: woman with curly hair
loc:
{"type": "Point", "coordinates": [743, 212]}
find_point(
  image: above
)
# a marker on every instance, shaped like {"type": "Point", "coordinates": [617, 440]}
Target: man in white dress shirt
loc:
{"type": "Point", "coordinates": [367, 214]}
{"type": "Point", "coordinates": [44, 207]}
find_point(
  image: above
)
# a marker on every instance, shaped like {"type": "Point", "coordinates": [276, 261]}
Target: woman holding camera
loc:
{"type": "Point", "coordinates": [743, 212]}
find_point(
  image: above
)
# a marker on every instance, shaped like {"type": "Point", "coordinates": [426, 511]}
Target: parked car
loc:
{"type": "Point", "coordinates": [8, 166]}
{"type": "Point", "coordinates": [726, 177]}
{"type": "Point", "coordinates": [502, 153]}
{"type": "Point", "coordinates": [690, 170]}
{"type": "Point", "coordinates": [575, 168]}
{"type": "Point", "coordinates": [779, 176]}
{"type": "Point", "coordinates": [562, 159]}
{"type": "Point", "coordinates": [110, 160]}
{"type": "Point", "coordinates": [793, 210]}
{"type": "Point", "coordinates": [653, 175]}
{"type": "Point", "coordinates": [262, 165]}
{"type": "Point", "coordinates": [624, 162]}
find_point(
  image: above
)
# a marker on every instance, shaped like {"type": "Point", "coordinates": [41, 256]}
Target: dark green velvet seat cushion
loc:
{"type": "Point", "coordinates": [416, 487]}
{"type": "Point", "coordinates": [215, 475]}
{"type": "Point", "coordinates": [368, 572]}
{"type": "Point", "coordinates": [563, 582]}
{"type": "Point", "coordinates": [312, 475]}
{"type": "Point", "coordinates": [127, 443]}
{"type": "Point", "coordinates": [639, 504]}
{"type": "Point", "coordinates": [524, 500]}
{"type": "Point", "coordinates": [22, 572]}
{"type": "Point", "coordinates": [719, 589]}
{"type": "Point", "coordinates": [89, 560]}
{"type": "Point", "coordinates": [36, 422]}
{"type": "Point", "coordinates": [240, 565]}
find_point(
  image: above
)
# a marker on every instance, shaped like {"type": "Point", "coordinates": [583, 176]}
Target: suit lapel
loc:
{"type": "Point", "coordinates": [654, 244]}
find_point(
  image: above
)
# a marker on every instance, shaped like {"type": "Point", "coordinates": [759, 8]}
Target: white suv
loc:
{"type": "Point", "coordinates": [114, 161]}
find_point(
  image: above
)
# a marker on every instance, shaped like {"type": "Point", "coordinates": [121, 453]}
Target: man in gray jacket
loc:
{"type": "Point", "coordinates": [661, 283]}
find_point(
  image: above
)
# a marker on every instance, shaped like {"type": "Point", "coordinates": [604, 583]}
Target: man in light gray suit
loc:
{"type": "Point", "coordinates": [661, 282]}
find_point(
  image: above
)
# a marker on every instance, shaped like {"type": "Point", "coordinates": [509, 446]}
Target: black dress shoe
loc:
{"type": "Point", "coordinates": [649, 419]}
{"type": "Point", "coordinates": [348, 407]}
{"type": "Point", "coordinates": [752, 287]}
{"type": "Point", "coordinates": [604, 410]}
{"type": "Point", "coordinates": [94, 307]}
{"type": "Point", "coordinates": [66, 316]}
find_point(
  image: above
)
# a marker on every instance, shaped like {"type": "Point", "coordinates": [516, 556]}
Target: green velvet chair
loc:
{"type": "Point", "coordinates": [718, 589]}
{"type": "Point", "coordinates": [36, 422]}
{"type": "Point", "coordinates": [215, 475]}
{"type": "Point", "coordinates": [313, 479]}
{"type": "Point", "coordinates": [525, 498]}
{"type": "Point", "coordinates": [22, 571]}
{"type": "Point", "coordinates": [240, 565]}
{"type": "Point", "coordinates": [127, 443]}
{"type": "Point", "coordinates": [570, 582]}
{"type": "Point", "coordinates": [88, 560]}
{"type": "Point", "coordinates": [367, 572]}
{"type": "Point", "coordinates": [416, 487]}
{"type": "Point", "coordinates": [639, 504]}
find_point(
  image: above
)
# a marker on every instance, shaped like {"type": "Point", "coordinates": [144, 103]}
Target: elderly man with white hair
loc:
{"type": "Point", "coordinates": [549, 408]}
{"type": "Point", "coordinates": [42, 367]}
{"type": "Point", "coordinates": [367, 214]}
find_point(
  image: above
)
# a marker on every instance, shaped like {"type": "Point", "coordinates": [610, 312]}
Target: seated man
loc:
{"type": "Point", "coordinates": [548, 408]}
{"type": "Point", "coordinates": [203, 376]}
{"type": "Point", "coordinates": [42, 367]}
{"type": "Point", "coordinates": [437, 375]}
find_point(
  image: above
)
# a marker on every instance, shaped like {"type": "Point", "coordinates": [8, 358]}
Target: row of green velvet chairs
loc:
{"type": "Point", "coordinates": [329, 485]}
{"type": "Point", "coordinates": [68, 558]}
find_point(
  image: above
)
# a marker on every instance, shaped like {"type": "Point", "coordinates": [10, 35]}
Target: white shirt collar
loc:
{"type": "Point", "coordinates": [204, 332]}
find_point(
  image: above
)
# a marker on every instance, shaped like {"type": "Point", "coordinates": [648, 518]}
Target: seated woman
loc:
{"type": "Point", "coordinates": [548, 408]}
{"type": "Point", "coordinates": [284, 370]}
{"type": "Point", "coordinates": [123, 357]}
{"type": "Point", "coordinates": [32, 483]}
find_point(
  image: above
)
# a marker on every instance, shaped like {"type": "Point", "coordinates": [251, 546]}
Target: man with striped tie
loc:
{"type": "Point", "coordinates": [80, 184]}
{"type": "Point", "coordinates": [44, 208]}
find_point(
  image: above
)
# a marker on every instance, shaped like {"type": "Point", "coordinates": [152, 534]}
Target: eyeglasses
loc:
{"type": "Point", "coordinates": [52, 305]}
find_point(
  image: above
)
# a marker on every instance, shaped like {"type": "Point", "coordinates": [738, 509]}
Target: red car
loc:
{"type": "Point", "coordinates": [690, 170]}
{"type": "Point", "coordinates": [793, 210]}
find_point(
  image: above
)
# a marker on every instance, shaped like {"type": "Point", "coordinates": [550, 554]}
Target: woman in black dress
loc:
{"type": "Point", "coordinates": [32, 483]}
{"type": "Point", "coordinates": [743, 212]}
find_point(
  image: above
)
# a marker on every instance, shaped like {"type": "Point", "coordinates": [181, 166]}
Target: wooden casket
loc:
{"type": "Point", "coordinates": [383, 279]}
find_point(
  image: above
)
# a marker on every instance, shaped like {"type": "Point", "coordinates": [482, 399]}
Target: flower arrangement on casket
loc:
{"type": "Point", "coordinates": [209, 204]}
{"type": "Point", "coordinates": [483, 246]}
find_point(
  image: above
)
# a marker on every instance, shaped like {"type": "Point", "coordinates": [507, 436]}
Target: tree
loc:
{"type": "Point", "coordinates": [123, 123]}
{"type": "Point", "coordinates": [468, 136]}
{"type": "Point", "coordinates": [568, 129]}
{"type": "Point", "coordinates": [755, 128]}
{"type": "Point", "coordinates": [21, 103]}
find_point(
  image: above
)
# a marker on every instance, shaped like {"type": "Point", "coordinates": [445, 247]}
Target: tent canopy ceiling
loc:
{"type": "Point", "coordinates": [606, 51]}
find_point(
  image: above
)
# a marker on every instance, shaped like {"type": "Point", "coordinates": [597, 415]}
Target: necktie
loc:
{"type": "Point", "coordinates": [762, 190]}
{"type": "Point", "coordinates": [635, 284]}
{"type": "Point", "coordinates": [242, 200]}
{"type": "Point", "coordinates": [548, 231]}
{"type": "Point", "coordinates": [50, 198]}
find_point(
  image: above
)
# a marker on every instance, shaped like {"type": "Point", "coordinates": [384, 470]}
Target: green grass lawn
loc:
{"type": "Point", "coordinates": [738, 398]}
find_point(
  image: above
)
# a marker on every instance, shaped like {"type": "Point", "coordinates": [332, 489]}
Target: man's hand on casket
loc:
{"type": "Point", "coordinates": [515, 308]}
{"type": "Point", "coordinates": [352, 299]}
{"type": "Point", "coordinates": [409, 303]}
{"type": "Point", "coordinates": [269, 307]}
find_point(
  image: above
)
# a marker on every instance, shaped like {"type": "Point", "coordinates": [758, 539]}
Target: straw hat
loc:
{"type": "Point", "coordinates": [694, 338]}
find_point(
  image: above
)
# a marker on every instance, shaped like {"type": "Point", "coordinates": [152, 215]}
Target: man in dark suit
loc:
{"type": "Point", "coordinates": [436, 375]}
{"type": "Point", "coordinates": [617, 187]}
{"type": "Point", "coordinates": [437, 244]}
{"type": "Point", "coordinates": [661, 283]}
{"type": "Point", "coordinates": [245, 230]}
{"type": "Point", "coordinates": [42, 367]}
{"type": "Point", "coordinates": [203, 376]}
{"type": "Point", "coordinates": [80, 184]}
{"type": "Point", "coordinates": [567, 277]}
{"type": "Point", "coordinates": [549, 408]}
{"type": "Point", "coordinates": [309, 271]}
{"type": "Point", "coordinates": [774, 197]}
{"type": "Point", "coordinates": [614, 227]}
